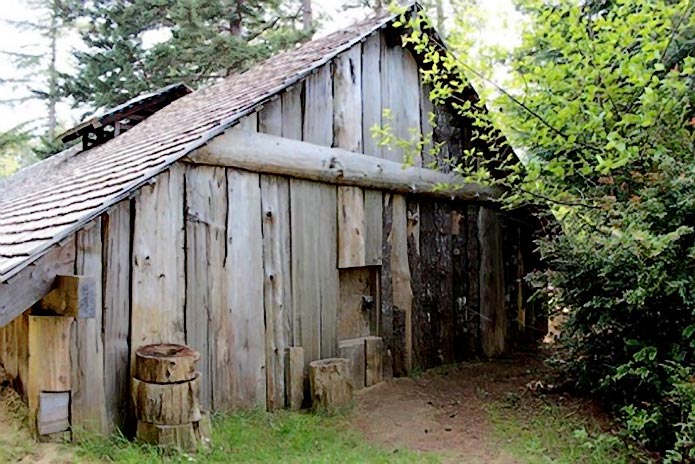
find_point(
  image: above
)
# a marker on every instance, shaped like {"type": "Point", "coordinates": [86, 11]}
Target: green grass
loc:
{"type": "Point", "coordinates": [256, 437]}
{"type": "Point", "coordinates": [556, 434]}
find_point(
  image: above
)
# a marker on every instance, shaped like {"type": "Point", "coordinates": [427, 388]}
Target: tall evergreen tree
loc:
{"type": "Point", "coordinates": [36, 75]}
{"type": "Point", "coordinates": [202, 40]}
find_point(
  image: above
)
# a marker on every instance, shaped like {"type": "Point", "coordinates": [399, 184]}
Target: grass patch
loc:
{"type": "Point", "coordinates": [552, 433]}
{"type": "Point", "coordinates": [285, 436]}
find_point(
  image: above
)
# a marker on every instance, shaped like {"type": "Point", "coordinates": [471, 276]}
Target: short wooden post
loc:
{"type": "Point", "coordinates": [331, 388]}
{"type": "Point", "coordinates": [166, 391]}
{"type": "Point", "coordinates": [294, 377]}
{"type": "Point", "coordinates": [373, 353]}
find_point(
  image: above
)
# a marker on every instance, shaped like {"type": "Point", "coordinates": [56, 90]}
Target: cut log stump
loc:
{"type": "Point", "coordinates": [331, 386]}
{"type": "Point", "coordinates": [166, 398]}
{"type": "Point", "coordinates": [167, 403]}
{"type": "Point", "coordinates": [165, 363]}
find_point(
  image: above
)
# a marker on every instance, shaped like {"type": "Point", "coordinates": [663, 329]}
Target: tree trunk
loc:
{"type": "Point", "coordinates": [52, 74]}
{"type": "Point", "coordinates": [307, 16]}
{"type": "Point", "coordinates": [440, 17]}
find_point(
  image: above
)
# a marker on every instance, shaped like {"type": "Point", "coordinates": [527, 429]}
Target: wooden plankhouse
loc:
{"type": "Point", "coordinates": [258, 222]}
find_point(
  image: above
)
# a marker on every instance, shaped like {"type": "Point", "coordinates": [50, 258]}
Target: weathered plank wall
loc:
{"type": "Point", "coordinates": [245, 267]}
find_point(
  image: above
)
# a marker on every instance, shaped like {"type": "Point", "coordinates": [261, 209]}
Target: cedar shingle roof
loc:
{"type": "Point", "coordinates": [45, 203]}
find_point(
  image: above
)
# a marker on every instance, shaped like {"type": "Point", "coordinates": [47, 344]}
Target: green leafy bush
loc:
{"type": "Point", "coordinates": [600, 106]}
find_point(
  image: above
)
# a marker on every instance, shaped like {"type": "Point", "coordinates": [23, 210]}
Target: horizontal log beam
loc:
{"type": "Point", "coordinates": [269, 154]}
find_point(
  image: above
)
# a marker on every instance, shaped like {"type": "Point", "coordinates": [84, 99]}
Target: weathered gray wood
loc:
{"type": "Point", "coordinates": [270, 118]}
{"type": "Point", "coordinates": [35, 281]}
{"type": "Point", "coordinates": [347, 100]}
{"type": "Point", "coordinates": [314, 232]}
{"type": "Point", "coordinates": [167, 403]}
{"type": "Point", "coordinates": [73, 296]}
{"type": "Point", "coordinates": [276, 155]}
{"type": "Point", "coordinates": [8, 348]}
{"type": "Point", "coordinates": [314, 268]}
{"type": "Point", "coordinates": [87, 401]}
{"type": "Point", "coordinates": [386, 315]}
{"type": "Point", "coordinates": [374, 223]}
{"type": "Point", "coordinates": [373, 355]}
{"type": "Point", "coordinates": [116, 230]}
{"type": "Point", "coordinates": [353, 350]}
{"type": "Point", "coordinates": [292, 113]}
{"type": "Point", "coordinates": [53, 413]}
{"type": "Point", "coordinates": [244, 282]}
{"type": "Point", "coordinates": [294, 377]}
{"type": "Point", "coordinates": [275, 203]}
{"type": "Point", "coordinates": [401, 95]}
{"type": "Point", "coordinates": [493, 317]}
{"type": "Point", "coordinates": [351, 227]}
{"type": "Point", "coordinates": [400, 272]}
{"type": "Point", "coordinates": [49, 367]}
{"type": "Point", "coordinates": [318, 108]}
{"type": "Point", "coordinates": [371, 93]}
{"type": "Point", "coordinates": [426, 112]}
{"type": "Point", "coordinates": [158, 283]}
{"type": "Point", "coordinates": [207, 317]}
{"type": "Point", "coordinates": [248, 123]}
{"type": "Point", "coordinates": [330, 384]}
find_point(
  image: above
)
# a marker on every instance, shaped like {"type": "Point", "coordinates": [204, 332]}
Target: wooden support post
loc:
{"type": "Point", "coordinates": [49, 363]}
{"type": "Point", "coordinates": [72, 296]}
{"type": "Point", "coordinates": [294, 377]}
{"type": "Point", "coordinates": [331, 388]}
{"type": "Point", "coordinates": [373, 348]}
{"type": "Point", "coordinates": [353, 350]}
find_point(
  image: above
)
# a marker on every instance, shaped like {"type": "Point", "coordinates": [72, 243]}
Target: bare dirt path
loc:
{"type": "Point", "coordinates": [444, 409]}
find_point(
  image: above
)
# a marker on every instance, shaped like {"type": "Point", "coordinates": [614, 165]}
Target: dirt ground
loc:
{"type": "Point", "coordinates": [443, 409]}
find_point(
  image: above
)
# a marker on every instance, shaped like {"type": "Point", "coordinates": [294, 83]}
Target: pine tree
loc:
{"type": "Point", "coordinates": [203, 40]}
{"type": "Point", "coordinates": [36, 75]}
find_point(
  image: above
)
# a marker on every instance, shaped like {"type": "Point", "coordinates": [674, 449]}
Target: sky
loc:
{"type": "Point", "coordinates": [500, 29]}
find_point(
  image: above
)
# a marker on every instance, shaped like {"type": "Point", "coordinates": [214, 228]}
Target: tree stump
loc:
{"type": "Point", "coordinates": [165, 392]}
{"type": "Point", "coordinates": [331, 388]}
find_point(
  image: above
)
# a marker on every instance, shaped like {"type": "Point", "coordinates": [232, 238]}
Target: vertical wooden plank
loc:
{"type": "Point", "coordinates": [22, 334]}
{"type": "Point", "coordinates": [48, 357]}
{"type": "Point", "coordinates": [87, 402]}
{"type": "Point", "coordinates": [373, 347]}
{"type": "Point", "coordinates": [400, 271]}
{"type": "Point", "coordinates": [294, 377]}
{"type": "Point", "coordinates": [434, 320]}
{"type": "Point", "coordinates": [460, 282]}
{"type": "Point", "coordinates": [472, 297]}
{"type": "Point", "coordinates": [422, 299]}
{"type": "Point", "coordinates": [275, 202]}
{"type": "Point", "coordinates": [158, 282]}
{"type": "Point", "coordinates": [244, 274]}
{"type": "Point", "coordinates": [371, 93]}
{"type": "Point", "coordinates": [426, 110]}
{"type": "Point", "coordinates": [116, 232]}
{"type": "Point", "coordinates": [493, 317]}
{"type": "Point", "coordinates": [318, 109]}
{"type": "Point", "coordinates": [206, 213]}
{"type": "Point", "coordinates": [347, 100]}
{"type": "Point", "coordinates": [351, 227]}
{"type": "Point", "coordinates": [374, 223]}
{"type": "Point", "coordinates": [314, 268]}
{"type": "Point", "coordinates": [292, 113]}
{"type": "Point", "coordinates": [386, 328]}
{"type": "Point", "coordinates": [9, 348]}
{"type": "Point", "coordinates": [353, 349]}
{"type": "Point", "coordinates": [401, 95]}
{"type": "Point", "coordinates": [248, 123]}
{"type": "Point", "coordinates": [270, 118]}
